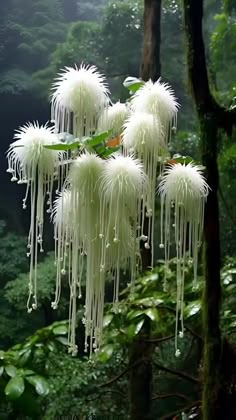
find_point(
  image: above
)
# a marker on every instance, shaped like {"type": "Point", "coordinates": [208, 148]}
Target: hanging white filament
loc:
{"type": "Point", "coordinates": [184, 189]}
{"type": "Point", "coordinates": [31, 163]}
{"type": "Point", "coordinates": [158, 99]}
{"type": "Point", "coordinates": [79, 97]}
{"type": "Point", "coordinates": [83, 180]}
{"type": "Point", "coordinates": [143, 136]}
{"type": "Point", "coordinates": [122, 185]}
{"type": "Point", "coordinates": [114, 118]}
{"type": "Point", "coordinates": [63, 234]}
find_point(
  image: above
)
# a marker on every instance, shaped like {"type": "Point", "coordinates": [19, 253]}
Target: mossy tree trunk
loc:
{"type": "Point", "coordinates": [212, 118]}
{"type": "Point", "coordinates": [140, 350]}
{"type": "Point", "coordinates": [151, 62]}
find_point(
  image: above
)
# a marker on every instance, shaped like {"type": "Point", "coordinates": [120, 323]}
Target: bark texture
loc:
{"type": "Point", "coordinates": [140, 350]}
{"type": "Point", "coordinates": [212, 118]}
{"type": "Point", "coordinates": [151, 63]}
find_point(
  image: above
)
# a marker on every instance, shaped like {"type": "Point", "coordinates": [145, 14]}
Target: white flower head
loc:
{"type": "Point", "coordinates": [122, 185]}
{"type": "Point", "coordinates": [61, 213]}
{"type": "Point", "coordinates": [79, 97]}
{"type": "Point", "coordinates": [28, 151]}
{"type": "Point", "coordinates": [183, 191]}
{"type": "Point", "coordinates": [114, 118]}
{"type": "Point", "coordinates": [33, 164]}
{"type": "Point", "coordinates": [158, 99]}
{"type": "Point", "coordinates": [143, 135]}
{"type": "Point", "coordinates": [123, 178]}
{"type": "Point", "coordinates": [85, 172]}
{"type": "Point", "coordinates": [184, 185]}
{"type": "Point", "coordinates": [83, 180]}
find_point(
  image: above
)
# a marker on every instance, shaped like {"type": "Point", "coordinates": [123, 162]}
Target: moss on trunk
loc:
{"type": "Point", "coordinates": [141, 350]}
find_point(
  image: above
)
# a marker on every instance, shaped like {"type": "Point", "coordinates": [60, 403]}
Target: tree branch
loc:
{"type": "Point", "coordinates": [160, 340]}
{"type": "Point", "coordinates": [187, 327]}
{"type": "Point", "coordinates": [117, 377]}
{"type": "Point", "coordinates": [197, 68]}
{"type": "Point", "coordinates": [179, 373]}
{"type": "Point", "coordinates": [171, 395]}
{"type": "Point", "coordinates": [182, 409]}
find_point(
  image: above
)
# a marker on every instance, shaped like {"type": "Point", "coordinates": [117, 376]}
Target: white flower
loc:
{"type": "Point", "coordinates": [79, 97]}
{"type": "Point", "coordinates": [183, 191]}
{"type": "Point", "coordinates": [63, 235]}
{"type": "Point", "coordinates": [123, 178]}
{"type": "Point", "coordinates": [85, 172]}
{"type": "Point", "coordinates": [84, 180]}
{"type": "Point", "coordinates": [61, 213]}
{"type": "Point", "coordinates": [33, 164]}
{"type": "Point", "coordinates": [114, 118]}
{"type": "Point", "coordinates": [143, 135]}
{"type": "Point", "coordinates": [28, 152]}
{"type": "Point", "coordinates": [122, 185]}
{"type": "Point", "coordinates": [185, 186]}
{"type": "Point", "coordinates": [158, 99]}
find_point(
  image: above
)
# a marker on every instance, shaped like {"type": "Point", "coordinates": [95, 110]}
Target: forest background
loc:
{"type": "Point", "coordinates": [37, 39]}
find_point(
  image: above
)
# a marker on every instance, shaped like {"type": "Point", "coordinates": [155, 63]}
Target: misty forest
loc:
{"type": "Point", "coordinates": [117, 218]}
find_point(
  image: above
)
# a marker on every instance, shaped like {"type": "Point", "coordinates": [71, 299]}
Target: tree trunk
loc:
{"type": "Point", "coordinates": [207, 110]}
{"type": "Point", "coordinates": [151, 64]}
{"type": "Point", "coordinates": [140, 350]}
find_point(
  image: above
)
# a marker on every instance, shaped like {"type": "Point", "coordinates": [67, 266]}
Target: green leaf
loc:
{"type": "Point", "coordinates": [149, 301]}
{"type": "Point", "coordinates": [134, 314]}
{"type": "Point", "coordinates": [106, 353]}
{"type": "Point", "coordinates": [40, 384]}
{"type": "Point", "coordinates": [60, 330]}
{"type": "Point", "coordinates": [25, 357]}
{"type": "Point", "coordinates": [109, 151]}
{"type": "Point", "coordinates": [2, 354]}
{"type": "Point", "coordinates": [193, 308]}
{"type": "Point", "coordinates": [134, 329]}
{"type": "Point", "coordinates": [107, 320]}
{"type": "Point", "coordinates": [185, 160]}
{"type": "Point", "coordinates": [63, 146]}
{"type": "Point", "coordinates": [65, 137]}
{"type": "Point", "coordinates": [138, 326]}
{"type": "Point", "coordinates": [152, 313]}
{"type": "Point", "coordinates": [11, 370]}
{"type": "Point", "coordinates": [1, 370]}
{"type": "Point", "coordinates": [15, 387]}
{"type": "Point", "coordinates": [51, 346]}
{"type": "Point", "coordinates": [29, 372]}
{"type": "Point", "coordinates": [100, 138]}
{"type": "Point", "coordinates": [133, 84]}
{"type": "Point", "coordinates": [62, 340]}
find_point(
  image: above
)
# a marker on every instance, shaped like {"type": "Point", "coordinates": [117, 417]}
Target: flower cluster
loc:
{"type": "Point", "coordinates": [100, 211]}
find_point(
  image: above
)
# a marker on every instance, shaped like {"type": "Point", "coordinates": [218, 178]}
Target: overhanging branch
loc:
{"type": "Point", "coordinates": [179, 373]}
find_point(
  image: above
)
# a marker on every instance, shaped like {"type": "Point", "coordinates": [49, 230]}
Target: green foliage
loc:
{"type": "Point", "coordinates": [148, 300]}
{"type": "Point", "coordinates": [59, 384]}
{"type": "Point", "coordinates": [16, 291]}
{"type": "Point", "coordinates": [82, 45]}
{"type": "Point", "coordinates": [23, 370]}
{"type": "Point", "coordinates": [15, 323]}
{"type": "Point", "coordinates": [92, 10]}
{"type": "Point", "coordinates": [95, 144]}
{"type": "Point", "coordinates": [228, 276]}
{"type": "Point", "coordinates": [185, 143]}
{"type": "Point", "coordinates": [119, 16]}
{"type": "Point", "coordinates": [224, 54]}
{"type": "Point", "coordinates": [30, 32]}
{"type": "Point", "coordinates": [227, 167]}
{"type": "Point", "coordinates": [13, 260]}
